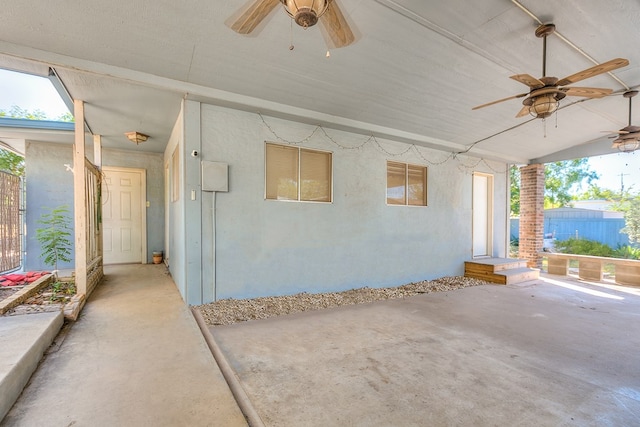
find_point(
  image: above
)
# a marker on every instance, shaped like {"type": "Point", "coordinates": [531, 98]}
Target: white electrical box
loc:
{"type": "Point", "coordinates": [215, 176]}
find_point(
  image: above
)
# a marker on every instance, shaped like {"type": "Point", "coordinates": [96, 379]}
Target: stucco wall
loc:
{"type": "Point", "coordinates": [265, 247]}
{"type": "Point", "coordinates": [50, 185]}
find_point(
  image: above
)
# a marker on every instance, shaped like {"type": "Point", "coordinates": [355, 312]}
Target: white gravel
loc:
{"type": "Point", "coordinates": [229, 311]}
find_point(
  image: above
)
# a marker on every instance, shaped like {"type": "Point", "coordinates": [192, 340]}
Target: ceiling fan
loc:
{"type": "Point", "coordinates": [628, 137]}
{"type": "Point", "coordinates": [546, 92]}
{"type": "Point", "coordinates": [306, 13]}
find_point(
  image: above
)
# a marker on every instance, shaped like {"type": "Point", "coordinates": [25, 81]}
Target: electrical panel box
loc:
{"type": "Point", "coordinates": [215, 176]}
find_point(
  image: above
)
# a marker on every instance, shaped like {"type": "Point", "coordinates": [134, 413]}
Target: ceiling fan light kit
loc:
{"type": "Point", "coordinates": [543, 106]}
{"type": "Point", "coordinates": [629, 137]}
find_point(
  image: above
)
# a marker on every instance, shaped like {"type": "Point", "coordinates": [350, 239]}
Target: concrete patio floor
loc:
{"type": "Point", "coordinates": [547, 353]}
{"type": "Point", "coordinates": [134, 358]}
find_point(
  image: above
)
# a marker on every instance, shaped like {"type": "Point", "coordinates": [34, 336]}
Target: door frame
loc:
{"type": "Point", "coordinates": [490, 219]}
{"type": "Point", "coordinates": [143, 203]}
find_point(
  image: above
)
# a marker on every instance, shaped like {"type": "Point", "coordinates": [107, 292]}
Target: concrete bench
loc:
{"type": "Point", "coordinates": [627, 271]}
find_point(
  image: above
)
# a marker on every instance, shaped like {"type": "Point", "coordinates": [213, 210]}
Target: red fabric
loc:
{"type": "Point", "coordinates": [15, 279]}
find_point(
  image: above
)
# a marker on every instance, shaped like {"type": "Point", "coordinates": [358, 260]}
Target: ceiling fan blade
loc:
{"type": "Point", "coordinates": [337, 31]}
{"type": "Point", "coordinates": [594, 71]}
{"type": "Point", "coordinates": [620, 132]}
{"type": "Point", "coordinates": [251, 16]}
{"type": "Point", "coordinates": [523, 112]}
{"type": "Point", "coordinates": [528, 80]}
{"type": "Point", "coordinates": [500, 100]}
{"type": "Point", "coordinates": [588, 92]}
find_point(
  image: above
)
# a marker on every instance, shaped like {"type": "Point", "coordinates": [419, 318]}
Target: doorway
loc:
{"type": "Point", "coordinates": [124, 215]}
{"type": "Point", "coordinates": [482, 206]}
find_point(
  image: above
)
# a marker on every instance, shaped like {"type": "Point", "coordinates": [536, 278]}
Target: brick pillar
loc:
{"type": "Point", "coordinates": [531, 214]}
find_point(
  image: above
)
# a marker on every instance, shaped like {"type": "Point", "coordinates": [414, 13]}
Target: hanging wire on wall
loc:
{"type": "Point", "coordinates": [372, 139]}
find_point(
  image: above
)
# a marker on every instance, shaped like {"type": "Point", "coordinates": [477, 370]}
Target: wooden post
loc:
{"type": "Point", "coordinates": [79, 199]}
{"type": "Point", "coordinates": [97, 161]}
{"type": "Point", "coordinates": [97, 151]}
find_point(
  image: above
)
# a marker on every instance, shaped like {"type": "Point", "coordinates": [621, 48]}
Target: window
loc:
{"type": "Point", "coordinates": [406, 184]}
{"type": "Point", "coordinates": [299, 174]}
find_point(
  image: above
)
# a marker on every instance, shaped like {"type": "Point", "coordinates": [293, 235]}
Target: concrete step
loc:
{"type": "Point", "coordinates": [24, 340]}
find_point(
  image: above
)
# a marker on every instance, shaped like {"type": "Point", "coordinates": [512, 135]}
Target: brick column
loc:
{"type": "Point", "coordinates": [531, 214]}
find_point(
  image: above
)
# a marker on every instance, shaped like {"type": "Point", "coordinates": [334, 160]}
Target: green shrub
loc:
{"type": "Point", "coordinates": [55, 236]}
{"type": "Point", "coordinates": [583, 247]}
{"type": "Point", "coordinates": [627, 252]}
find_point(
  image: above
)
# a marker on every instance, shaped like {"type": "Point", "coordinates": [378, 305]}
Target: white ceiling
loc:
{"type": "Point", "coordinates": [414, 74]}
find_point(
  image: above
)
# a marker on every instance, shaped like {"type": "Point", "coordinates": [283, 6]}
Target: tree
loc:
{"type": "Point", "coordinates": [632, 220]}
{"type": "Point", "coordinates": [11, 162]}
{"type": "Point", "coordinates": [514, 179]}
{"type": "Point", "coordinates": [16, 112]}
{"type": "Point", "coordinates": [55, 236]}
{"type": "Point", "coordinates": [596, 193]}
{"type": "Point", "coordinates": [561, 177]}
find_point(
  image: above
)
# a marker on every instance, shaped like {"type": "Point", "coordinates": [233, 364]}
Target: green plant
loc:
{"type": "Point", "coordinates": [627, 252]}
{"type": "Point", "coordinates": [60, 287]}
{"type": "Point", "coordinates": [583, 247]}
{"type": "Point", "coordinates": [55, 236]}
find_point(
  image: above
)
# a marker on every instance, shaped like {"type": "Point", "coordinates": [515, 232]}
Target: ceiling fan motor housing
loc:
{"type": "Point", "coordinates": [306, 12]}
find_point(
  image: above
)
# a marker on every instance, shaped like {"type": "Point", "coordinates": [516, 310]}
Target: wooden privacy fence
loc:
{"type": "Point", "coordinates": [10, 236]}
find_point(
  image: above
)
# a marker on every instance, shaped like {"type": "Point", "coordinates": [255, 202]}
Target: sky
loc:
{"type": "Point", "coordinates": [32, 92]}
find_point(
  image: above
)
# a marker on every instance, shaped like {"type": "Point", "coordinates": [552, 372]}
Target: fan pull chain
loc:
{"type": "Point", "coordinates": [291, 46]}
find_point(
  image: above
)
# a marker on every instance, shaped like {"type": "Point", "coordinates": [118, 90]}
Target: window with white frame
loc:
{"type": "Point", "coordinates": [406, 184]}
{"type": "Point", "coordinates": [298, 174]}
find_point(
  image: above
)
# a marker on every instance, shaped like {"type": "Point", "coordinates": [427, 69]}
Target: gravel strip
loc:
{"type": "Point", "coordinates": [229, 311]}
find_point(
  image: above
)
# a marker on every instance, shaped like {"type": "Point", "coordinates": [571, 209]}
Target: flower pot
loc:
{"type": "Point", "coordinates": [157, 257]}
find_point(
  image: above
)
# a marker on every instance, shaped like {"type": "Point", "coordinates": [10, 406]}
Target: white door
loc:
{"type": "Point", "coordinates": [482, 225]}
{"type": "Point", "coordinates": [124, 215]}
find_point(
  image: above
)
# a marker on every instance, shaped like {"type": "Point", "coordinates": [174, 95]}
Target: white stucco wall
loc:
{"type": "Point", "coordinates": [266, 247]}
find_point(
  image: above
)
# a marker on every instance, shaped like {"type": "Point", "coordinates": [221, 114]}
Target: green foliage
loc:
{"type": "Point", "coordinates": [560, 180]}
{"type": "Point", "coordinates": [55, 236]}
{"type": "Point", "coordinates": [11, 162]}
{"type": "Point", "coordinates": [514, 175]}
{"type": "Point", "coordinates": [16, 112]}
{"type": "Point", "coordinates": [583, 247]}
{"type": "Point", "coordinates": [64, 288]}
{"type": "Point", "coordinates": [596, 193]}
{"type": "Point", "coordinates": [627, 252]}
{"type": "Point", "coordinates": [66, 117]}
{"type": "Point", "coordinates": [632, 220]}
{"type": "Point", "coordinates": [561, 177]}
